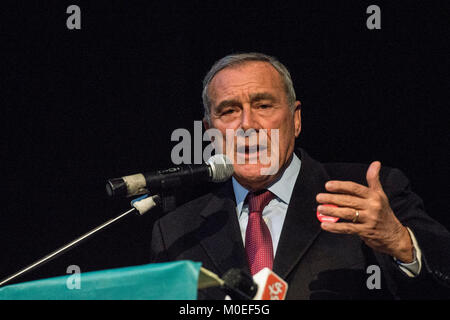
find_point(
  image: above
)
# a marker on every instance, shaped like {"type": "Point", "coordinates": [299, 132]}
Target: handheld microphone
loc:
{"type": "Point", "coordinates": [265, 285]}
{"type": "Point", "coordinates": [239, 285]}
{"type": "Point", "coordinates": [218, 168]}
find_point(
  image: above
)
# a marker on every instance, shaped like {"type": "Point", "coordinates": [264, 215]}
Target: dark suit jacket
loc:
{"type": "Point", "coordinates": [315, 263]}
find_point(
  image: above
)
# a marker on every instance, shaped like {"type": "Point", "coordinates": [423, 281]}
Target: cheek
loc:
{"type": "Point", "coordinates": [224, 126]}
{"type": "Point", "coordinates": [224, 144]}
{"type": "Point", "coordinates": [286, 134]}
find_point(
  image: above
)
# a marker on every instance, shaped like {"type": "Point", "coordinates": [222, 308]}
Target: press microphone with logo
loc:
{"type": "Point", "coordinates": [265, 285]}
{"type": "Point", "coordinates": [218, 168]}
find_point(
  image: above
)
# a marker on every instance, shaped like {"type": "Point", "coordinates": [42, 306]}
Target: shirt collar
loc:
{"type": "Point", "coordinates": [282, 187]}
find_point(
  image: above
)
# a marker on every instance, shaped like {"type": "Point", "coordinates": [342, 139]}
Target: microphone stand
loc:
{"type": "Point", "coordinates": [154, 201]}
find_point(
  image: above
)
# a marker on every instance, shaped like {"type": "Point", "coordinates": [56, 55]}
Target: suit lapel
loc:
{"type": "Point", "coordinates": [301, 226]}
{"type": "Point", "coordinates": [220, 234]}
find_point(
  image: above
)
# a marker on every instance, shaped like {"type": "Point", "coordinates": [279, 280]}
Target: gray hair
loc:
{"type": "Point", "coordinates": [241, 58]}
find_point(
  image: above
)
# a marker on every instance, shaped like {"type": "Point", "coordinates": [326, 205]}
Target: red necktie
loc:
{"type": "Point", "coordinates": [258, 242]}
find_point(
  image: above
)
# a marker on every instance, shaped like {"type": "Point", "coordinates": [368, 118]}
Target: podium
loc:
{"type": "Point", "coordinates": [158, 281]}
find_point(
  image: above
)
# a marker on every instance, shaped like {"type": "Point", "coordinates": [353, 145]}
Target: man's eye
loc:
{"type": "Point", "coordinates": [264, 106]}
{"type": "Point", "coordinates": [225, 112]}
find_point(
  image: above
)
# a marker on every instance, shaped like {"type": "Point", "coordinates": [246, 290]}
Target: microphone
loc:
{"type": "Point", "coordinates": [265, 285]}
{"type": "Point", "coordinates": [218, 168]}
{"type": "Point", "coordinates": [239, 285]}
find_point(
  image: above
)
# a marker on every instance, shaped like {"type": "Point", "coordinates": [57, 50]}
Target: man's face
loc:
{"type": "Point", "coordinates": [252, 96]}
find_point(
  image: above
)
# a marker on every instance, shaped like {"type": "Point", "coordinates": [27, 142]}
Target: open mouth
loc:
{"type": "Point", "coordinates": [249, 154]}
{"type": "Point", "coordinates": [246, 149]}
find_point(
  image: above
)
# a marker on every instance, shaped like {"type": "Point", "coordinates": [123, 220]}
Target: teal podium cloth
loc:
{"type": "Point", "coordinates": [159, 281]}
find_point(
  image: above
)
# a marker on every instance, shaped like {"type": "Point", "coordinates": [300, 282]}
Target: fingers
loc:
{"type": "Point", "coordinates": [373, 176]}
{"type": "Point", "coordinates": [341, 200]}
{"type": "Point", "coordinates": [347, 187]}
{"type": "Point", "coordinates": [350, 196]}
{"type": "Point", "coordinates": [343, 213]}
{"type": "Point", "coordinates": [344, 228]}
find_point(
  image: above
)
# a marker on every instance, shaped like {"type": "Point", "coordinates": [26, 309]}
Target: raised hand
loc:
{"type": "Point", "coordinates": [370, 214]}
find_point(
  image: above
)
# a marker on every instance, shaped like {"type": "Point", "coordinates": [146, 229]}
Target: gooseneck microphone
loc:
{"type": "Point", "coordinates": [218, 168]}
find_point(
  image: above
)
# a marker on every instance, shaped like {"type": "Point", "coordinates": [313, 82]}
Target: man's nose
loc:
{"type": "Point", "coordinates": [248, 120]}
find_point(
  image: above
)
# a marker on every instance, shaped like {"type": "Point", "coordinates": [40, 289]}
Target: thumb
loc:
{"type": "Point", "coordinates": [373, 176]}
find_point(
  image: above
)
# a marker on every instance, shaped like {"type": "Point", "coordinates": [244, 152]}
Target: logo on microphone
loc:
{"type": "Point", "coordinates": [276, 288]}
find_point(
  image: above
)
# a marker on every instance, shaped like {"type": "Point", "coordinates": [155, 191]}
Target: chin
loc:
{"type": "Point", "coordinates": [250, 177]}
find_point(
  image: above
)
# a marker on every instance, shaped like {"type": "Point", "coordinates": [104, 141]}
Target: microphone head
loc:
{"type": "Point", "coordinates": [116, 187]}
{"type": "Point", "coordinates": [221, 168]}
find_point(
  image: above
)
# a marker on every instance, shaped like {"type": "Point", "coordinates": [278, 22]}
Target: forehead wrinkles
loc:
{"type": "Point", "coordinates": [242, 91]}
{"type": "Point", "coordinates": [245, 79]}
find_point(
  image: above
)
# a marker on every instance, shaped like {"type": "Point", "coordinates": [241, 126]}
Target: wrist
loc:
{"type": "Point", "coordinates": [404, 251]}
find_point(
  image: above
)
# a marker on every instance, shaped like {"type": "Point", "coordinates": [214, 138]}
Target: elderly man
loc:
{"type": "Point", "coordinates": [269, 220]}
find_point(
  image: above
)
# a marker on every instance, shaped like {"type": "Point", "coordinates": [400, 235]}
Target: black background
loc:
{"type": "Point", "coordinates": [81, 106]}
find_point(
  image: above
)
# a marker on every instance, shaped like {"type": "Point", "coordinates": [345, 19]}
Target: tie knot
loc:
{"type": "Point", "coordinates": [257, 201]}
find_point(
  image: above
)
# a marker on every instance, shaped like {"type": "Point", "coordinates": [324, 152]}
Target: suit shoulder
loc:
{"type": "Point", "coordinates": [192, 206]}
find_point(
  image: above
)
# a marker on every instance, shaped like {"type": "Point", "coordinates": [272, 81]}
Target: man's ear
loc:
{"type": "Point", "coordinates": [297, 118]}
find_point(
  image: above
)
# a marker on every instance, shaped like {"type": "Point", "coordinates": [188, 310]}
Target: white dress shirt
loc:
{"type": "Point", "coordinates": [275, 211]}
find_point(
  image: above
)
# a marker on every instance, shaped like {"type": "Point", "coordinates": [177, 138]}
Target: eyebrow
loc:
{"type": "Point", "coordinates": [262, 96]}
{"type": "Point", "coordinates": [253, 98]}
